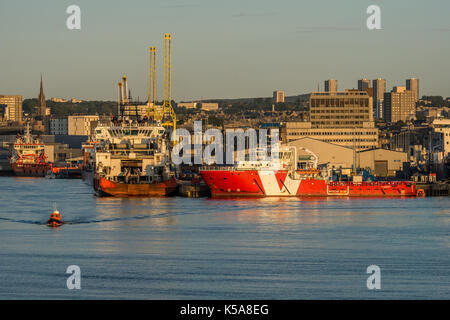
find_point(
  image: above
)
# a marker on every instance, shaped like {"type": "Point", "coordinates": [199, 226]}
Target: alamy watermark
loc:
{"type": "Point", "coordinates": [74, 280]}
{"type": "Point", "coordinates": [229, 147]}
{"type": "Point", "coordinates": [374, 280]}
{"type": "Point", "coordinates": [73, 22]}
{"type": "Point", "coordinates": [374, 20]}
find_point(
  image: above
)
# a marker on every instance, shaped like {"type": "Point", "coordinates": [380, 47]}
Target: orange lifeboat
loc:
{"type": "Point", "coordinates": [55, 219]}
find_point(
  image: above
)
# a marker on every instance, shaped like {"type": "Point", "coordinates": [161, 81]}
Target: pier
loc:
{"type": "Point", "coordinates": [190, 189]}
{"type": "Point", "coordinates": [435, 189]}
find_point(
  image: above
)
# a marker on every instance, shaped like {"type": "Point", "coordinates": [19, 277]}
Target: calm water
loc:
{"type": "Point", "coordinates": [179, 248]}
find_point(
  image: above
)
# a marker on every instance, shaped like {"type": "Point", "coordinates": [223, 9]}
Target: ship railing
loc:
{"type": "Point", "coordinates": [219, 167]}
{"type": "Point", "coordinates": [373, 183]}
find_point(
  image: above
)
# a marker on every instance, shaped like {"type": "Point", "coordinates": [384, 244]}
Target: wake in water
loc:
{"type": "Point", "coordinates": [83, 221]}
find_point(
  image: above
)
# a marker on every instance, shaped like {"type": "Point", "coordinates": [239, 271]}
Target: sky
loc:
{"type": "Point", "coordinates": [221, 49]}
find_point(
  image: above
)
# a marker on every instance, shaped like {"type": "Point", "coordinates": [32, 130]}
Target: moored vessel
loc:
{"type": "Point", "coordinates": [133, 160]}
{"type": "Point", "coordinates": [28, 157]}
{"type": "Point", "coordinates": [282, 178]}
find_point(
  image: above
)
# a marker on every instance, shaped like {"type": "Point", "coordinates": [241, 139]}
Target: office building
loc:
{"type": "Point", "coordinates": [413, 85]}
{"type": "Point", "coordinates": [399, 105]}
{"type": "Point", "coordinates": [340, 109]}
{"type": "Point", "coordinates": [379, 89]}
{"type": "Point", "coordinates": [81, 125]}
{"type": "Point", "coordinates": [278, 96]}
{"type": "Point", "coordinates": [342, 118]}
{"type": "Point", "coordinates": [356, 138]}
{"type": "Point", "coordinates": [331, 85]}
{"type": "Point", "coordinates": [442, 126]}
{"type": "Point", "coordinates": [58, 126]}
{"type": "Point", "coordinates": [12, 107]}
{"type": "Point", "coordinates": [363, 84]}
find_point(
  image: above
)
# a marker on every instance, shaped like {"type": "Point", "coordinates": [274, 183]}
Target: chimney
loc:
{"type": "Point", "coordinates": [120, 95]}
{"type": "Point", "coordinates": [125, 86]}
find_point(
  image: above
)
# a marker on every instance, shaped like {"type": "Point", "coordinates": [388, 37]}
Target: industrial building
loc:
{"type": "Point", "coordinates": [332, 155]}
{"type": "Point", "coordinates": [382, 162]}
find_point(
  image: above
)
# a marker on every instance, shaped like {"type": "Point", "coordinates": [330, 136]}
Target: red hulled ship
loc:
{"type": "Point", "coordinates": [28, 156]}
{"type": "Point", "coordinates": [282, 178]}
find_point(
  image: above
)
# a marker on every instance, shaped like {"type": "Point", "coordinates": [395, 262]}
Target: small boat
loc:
{"type": "Point", "coordinates": [55, 219]}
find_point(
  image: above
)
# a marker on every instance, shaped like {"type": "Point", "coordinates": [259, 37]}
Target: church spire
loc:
{"type": "Point", "coordinates": [41, 100]}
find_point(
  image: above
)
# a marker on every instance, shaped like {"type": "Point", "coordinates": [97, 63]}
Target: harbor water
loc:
{"type": "Point", "coordinates": [183, 248]}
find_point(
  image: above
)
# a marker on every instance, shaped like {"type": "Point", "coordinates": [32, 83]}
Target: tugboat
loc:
{"type": "Point", "coordinates": [55, 219]}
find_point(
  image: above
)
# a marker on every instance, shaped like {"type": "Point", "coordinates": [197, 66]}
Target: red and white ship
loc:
{"type": "Point", "coordinates": [28, 156]}
{"type": "Point", "coordinates": [282, 178]}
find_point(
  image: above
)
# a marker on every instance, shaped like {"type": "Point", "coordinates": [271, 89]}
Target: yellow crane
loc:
{"type": "Point", "coordinates": [165, 114]}
{"type": "Point", "coordinates": [168, 116]}
{"type": "Point", "coordinates": [152, 112]}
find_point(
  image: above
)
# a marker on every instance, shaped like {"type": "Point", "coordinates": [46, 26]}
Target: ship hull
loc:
{"type": "Point", "coordinates": [105, 187]}
{"type": "Point", "coordinates": [266, 183]}
{"type": "Point", "coordinates": [31, 170]}
{"type": "Point", "coordinates": [88, 177]}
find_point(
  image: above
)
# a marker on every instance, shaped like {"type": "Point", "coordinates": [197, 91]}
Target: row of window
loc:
{"type": "Point", "coordinates": [338, 102]}
{"type": "Point", "coordinates": [340, 111]}
{"type": "Point", "coordinates": [337, 123]}
{"type": "Point", "coordinates": [357, 133]}
{"type": "Point", "coordinates": [350, 140]}
{"type": "Point", "coordinates": [340, 117]}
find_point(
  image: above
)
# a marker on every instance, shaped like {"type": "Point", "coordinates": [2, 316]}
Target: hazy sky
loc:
{"type": "Point", "coordinates": [221, 49]}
